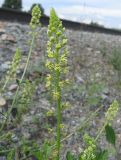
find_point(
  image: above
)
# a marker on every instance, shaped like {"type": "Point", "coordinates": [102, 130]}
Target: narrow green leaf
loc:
{"type": "Point", "coordinates": [102, 155]}
{"type": "Point", "coordinates": [110, 134]}
{"type": "Point", "coordinates": [11, 155]}
{"type": "Point", "coordinates": [38, 155]}
{"type": "Point", "coordinates": [69, 156]}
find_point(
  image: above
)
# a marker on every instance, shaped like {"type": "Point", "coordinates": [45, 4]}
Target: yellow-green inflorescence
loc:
{"type": "Point", "coordinates": [11, 73]}
{"type": "Point", "coordinates": [35, 20]}
{"type": "Point", "coordinates": [89, 152]}
{"type": "Point", "coordinates": [57, 65]}
{"type": "Point", "coordinates": [57, 55]}
{"type": "Point", "coordinates": [112, 111]}
{"type": "Point", "coordinates": [15, 64]}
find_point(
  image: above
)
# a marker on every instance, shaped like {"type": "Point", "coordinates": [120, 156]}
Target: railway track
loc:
{"type": "Point", "coordinates": [24, 17]}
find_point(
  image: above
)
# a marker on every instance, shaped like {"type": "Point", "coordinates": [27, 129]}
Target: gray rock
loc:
{"type": "Point", "coordinates": [5, 66]}
{"type": "Point", "coordinates": [73, 123]}
{"type": "Point", "coordinates": [13, 87]}
{"type": "Point", "coordinates": [3, 158]}
{"type": "Point", "coordinates": [9, 38]}
{"type": "Point", "coordinates": [26, 135]}
{"type": "Point", "coordinates": [2, 101]}
{"type": "Point", "coordinates": [79, 79]}
{"type": "Point", "coordinates": [8, 94]}
{"type": "Point", "coordinates": [14, 138]}
{"type": "Point", "coordinates": [2, 31]}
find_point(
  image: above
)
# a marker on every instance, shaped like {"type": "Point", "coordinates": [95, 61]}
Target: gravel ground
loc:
{"type": "Point", "coordinates": [89, 66]}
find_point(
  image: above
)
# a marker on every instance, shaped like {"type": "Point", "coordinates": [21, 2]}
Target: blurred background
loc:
{"type": "Point", "coordinates": [100, 12]}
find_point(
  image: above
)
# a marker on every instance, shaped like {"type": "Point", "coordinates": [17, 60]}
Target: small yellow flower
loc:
{"type": "Point", "coordinates": [53, 29]}
{"type": "Point", "coordinates": [66, 105]}
{"type": "Point", "coordinates": [63, 59]}
{"type": "Point", "coordinates": [58, 33]}
{"type": "Point", "coordinates": [50, 54]}
{"type": "Point", "coordinates": [49, 65]}
{"type": "Point", "coordinates": [49, 32]}
{"type": "Point", "coordinates": [62, 126]}
{"type": "Point", "coordinates": [48, 80]}
{"type": "Point", "coordinates": [50, 113]}
{"type": "Point", "coordinates": [50, 130]}
{"type": "Point", "coordinates": [48, 84]}
{"type": "Point", "coordinates": [64, 42]}
{"type": "Point", "coordinates": [49, 46]}
{"type": "Point", "coordinates": [57, 67]}
{"type": "Point", "coordinates": [56, 95]}
{"type": "Point", "coordinates": [65, 70]}
{"type": "Point", "coordinates": [52, 39]}
{"type": "Point", "coordinates": [58, 46]}
{"type": "Point", "coordinates": [61, 84]}
{"type": "Point", "coordinates": [49, 77]}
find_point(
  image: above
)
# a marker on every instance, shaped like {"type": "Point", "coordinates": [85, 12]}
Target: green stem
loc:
{"type": "Point", "coordinates": [6, 82]}
{"type": "Point", "coordinates": [84, 124]}
{"type": "Point", "coordinates": [16, 94]}
{"type": "Point", "coordinates": [100, 131]}
{"type": "Point", "coordinates": [58, 107]}
{"type": "Point", "coordinates": [30, 52]}
{"type": "Point", "coordinates": [58, 126]}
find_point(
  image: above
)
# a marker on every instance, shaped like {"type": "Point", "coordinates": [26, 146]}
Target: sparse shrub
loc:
{"type": "Point", "coordinates": [96, 24]}
{"type": "Point", "coordinates": [115, 60]}
{"type": "Point", "coordinates": [103, 49]}
{"type": "Point", "coordinates": [12, 4]}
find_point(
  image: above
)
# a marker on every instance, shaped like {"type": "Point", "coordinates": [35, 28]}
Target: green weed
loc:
{"type": "Point", "coordinates": [115, 60]}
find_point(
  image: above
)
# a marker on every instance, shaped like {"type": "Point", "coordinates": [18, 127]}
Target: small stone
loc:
{"type": "Point", "coordinates": [98, 75]}
{"type": "Point", "coordinates": [5, 66]}
{"type": "Point", "coordinates": [97, 52]}
{"type": "Point", "coordinates": [32, 112]}
{"type": "Point", "coordinates": [2, 31]}
{"type": "Point", "coordinates": [119, 121]}
{"type": "Point", "coordinates": [89, 49]}
{"type": "Point", "coordinates": [9, 38]}
{"type": "Point", "coordinates": [79, 79]}
{"type": "Point", "coordinates": [2, 101]}
{"type": "Point", "coordinates": [2, 158]}
{"type": "Point", "coordinates": [104, 97]}
{"type": "Point", "coordinates": [18, 71]}
{"type": "Point", "coordinates": [73, 123]}
{"type": "Point", "coordinates": [8, 94]}
{"type": "Point", "coordinates": [106, 91]}
{"type": "Point", "coordinates": [26, 135]}
{"type": "Point", "coordinates": [13, 87]}
{"type": "Point", "coordinates": [14, 138]}
{"type": "Point", "coordinates": [80, 149]}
